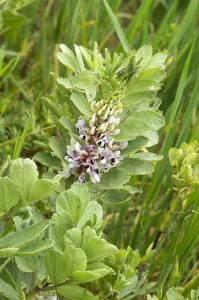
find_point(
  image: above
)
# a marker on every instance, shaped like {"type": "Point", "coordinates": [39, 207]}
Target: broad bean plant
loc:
{"type": "Point", "coordinates": [53, 243]}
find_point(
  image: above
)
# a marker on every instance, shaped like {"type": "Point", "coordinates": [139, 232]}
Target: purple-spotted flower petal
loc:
{"type": "Point", "coordinates": [81, 126]}
{"type": "Point", "coordinates": [96, 152]}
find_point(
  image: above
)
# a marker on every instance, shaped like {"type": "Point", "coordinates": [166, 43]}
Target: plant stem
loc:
{"type": "Point", "coordinates": [167, 219]}
{"type": "Point", "coordinates": [47, 288]}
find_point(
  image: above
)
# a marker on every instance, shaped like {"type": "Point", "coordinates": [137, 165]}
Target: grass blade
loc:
{"type": "Point", "coordinates": [117, 27]}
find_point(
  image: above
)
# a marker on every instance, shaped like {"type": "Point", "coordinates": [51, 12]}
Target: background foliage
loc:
{"type": "Point", "coordinates": [30, 31]}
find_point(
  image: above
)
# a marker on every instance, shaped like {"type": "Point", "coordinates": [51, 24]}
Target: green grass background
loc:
{"type": "Point", "coordinates": [30, 31]}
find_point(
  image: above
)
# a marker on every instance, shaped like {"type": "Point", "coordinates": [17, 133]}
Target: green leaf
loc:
{"type": "Point", "coordinates": [27, 264]}
{"type": "Point", "coordinates": [74, 203]}
{"type": "Point", "coordinates": [115, 196]}
{"type": "Point", "coordinates": [82, 104]}
{"type": "Point", "coordinates": [95, 247]}
{"type": "Point", "coordinates": [89, 276]}
{"type": "Point", "coordinates": [154, 74]}
{"type": "Point", "coordinates": [87, 56]}
{"type": "Point", "coordinates": [135, 145]}
{"type": "Point", "coordinates": [64, 82]}
{"type": "Point", "coordinates": [67, 124]}
{"type": "Point", "coordinates": [23, 172]}
{"type": "Point", "coordinates": [143, 56]}
{"type": "Point", "coordinates": [7, 277]}
{"type": "Point", "coordinates": [79, 58]}
{"type": "Point", "coordinates": [37, 248]}
{"type": "Point", "coordinates": [74, 236]}
{"type": "Point", "coordinates": [151, 104]}
{"type": "Point", "coordinates": [131, 129]}
{"type": "Point", "coordinates": [152, 137]}
{"type": "Point", "coordinates": [75, 260]}
{"type": "Point", "coordinates": [153, 120]}
{"type": "Point", "coordinates": [82, 192]}
{"type": "Point", "coordinates": [173, 294]}
{"type": "Point", "coordinates": [137, 167]}
{"type": "Point", "coordinates": [137, 85]}
{"type": "Point", "coordinates": [85, 276]}
{"type": "Point", "coordinates": [142, 101]}
{"type": "Point", "coordinates": [85, 80]}
{"type": "Point", "coordinates": [100, 267]}
{"type": "Point", "coordinates": [60, 223]}
{"type": "Point", "coordinates": [10, 195]}
{"type": "Point", "coordinates": [58, 147]}
{"type": "Point", "coordinates": [134, 99]}
{"type": "Point", "coordinates": [75, 292]}
{"type": "Point", "coordinates": [56, 267]}
{"type": "Point", "coordinates": [157, 61]}
{"type": "Point", "coordinates": [92, 213]}
{"type": "Point", "coordinates": [21, 238]}
{"type": "Point", "coordinates": [67, 50]}
{"type": "Point", "coordinates": [61, 265]}
{"type": "Point", "coordinates": [114, 179]}
{"type": "Point", "coordinates": [42, 189]}
{"type": "Point", "coordinates": [67, 58]}
{"type": "Point", "coordinates": [69, 203]}
{"type": "Point", "coordinates": [147, 156]}
{"type": "Point", "coordinates": [8, 291]}
{"type": "Point", "coordinates": [48, 160]}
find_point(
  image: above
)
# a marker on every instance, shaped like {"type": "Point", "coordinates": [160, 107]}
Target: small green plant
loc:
{"type": "Point", "coordinates": [58, 248]}
{"type": "Point", "coordinates": [108, 113]}
{"type": "Point", "coordinates": [185, 163]}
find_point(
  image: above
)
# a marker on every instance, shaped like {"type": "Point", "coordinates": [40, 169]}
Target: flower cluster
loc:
{"type": "Point", "coordinates": [185, 162]}
{"type": "Point", "coordinates": [96, 152]}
